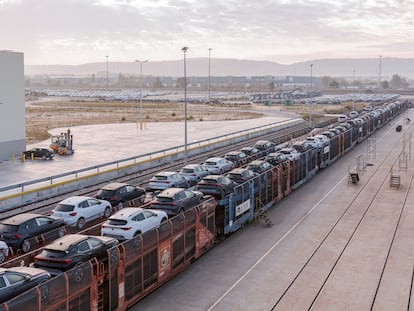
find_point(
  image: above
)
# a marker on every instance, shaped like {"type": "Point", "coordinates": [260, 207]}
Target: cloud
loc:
{"type": "Point", "coordinates": [79, 31]}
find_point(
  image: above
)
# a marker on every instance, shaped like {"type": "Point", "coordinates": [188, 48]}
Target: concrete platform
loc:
{"type": "Point", "coordinates": [98, 144]}
{"type": "Point", "coordinates": [334, 246]}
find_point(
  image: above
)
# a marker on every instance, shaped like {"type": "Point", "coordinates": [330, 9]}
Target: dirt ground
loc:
{"type": "Point", "coordinates": [48, 113]}
{"type": "Point", "coordinates": [42, 116]}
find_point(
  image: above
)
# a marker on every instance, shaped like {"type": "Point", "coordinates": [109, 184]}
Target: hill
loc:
{"type": "Point", "coordinates": [364, 67]}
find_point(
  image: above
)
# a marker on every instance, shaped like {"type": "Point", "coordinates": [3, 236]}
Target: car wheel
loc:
{"type": "Point", "coordinates": [107, 212]}
{"type": "Point", "coordinates": [26, 246]}
{"type": "Point", "coordinates": [141, 199]}
{"type": "Point", "coordinates": [137, 233]}
{"type": "Point", "coordinates": [181, 210]}
{"type": "Point", "coordinates": [120, 206]}
{"type": "Point", "coordinates": [43, 157]}
{"type": "Point", "coordinates": [223, 194]}
{"type": "Point", "coordinates": [81, 223]}
{"type": "Point", "coordinates": [61, 232]}
{"type": "Point", "coordinates": [163, 220]}
{"type": "Point", "coordinates": [2, 257]}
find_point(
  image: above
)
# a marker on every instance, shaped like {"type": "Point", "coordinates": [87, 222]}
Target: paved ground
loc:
{"type": "Point", "coordinates": [334, 246]}
{"type": "Point", "coordinates": [97, 144]}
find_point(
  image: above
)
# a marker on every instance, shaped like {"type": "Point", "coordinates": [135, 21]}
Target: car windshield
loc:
{"type": "Point", "coordinates": [104, 193]}
{"type": "Point", "coordinates": [210, 181]}
{"type": "Point", "coordinates": [160, 177]}
{"type": "Point", "coordinates": [235, 175]}
{"type": "Point", "coordinates": [64, 208]}
{"type": "Point", "coordinates": [210, 163]}
{"type": "Point", "coordinates": [253, 167]}
{"type": "Point", "coordinates": [161, 198]}
{"type": "Point", "coordinates": [187, 170]}
{"type": "Point", "coordinates": [8, 228]}
{"type": "Point", "coordinates": [52, 253]}
{"type": "Point", "coordinates": [116, 222]}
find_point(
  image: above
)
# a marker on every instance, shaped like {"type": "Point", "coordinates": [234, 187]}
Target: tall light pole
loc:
{"type": "Point", "coordinates": [107, 71]}
{"type": "Point", "coordinates": [142, 85]}
{"type": "Point", "coordinates": [353, 88]}
{"type": "Point", "coordinates": [380, 65]}
{"type": "Point", "coordinates": [310, 96]}
{"type": "Point", "coordinates": [185, 49]}
{"type": "Point", "coordinates": [209, 54]}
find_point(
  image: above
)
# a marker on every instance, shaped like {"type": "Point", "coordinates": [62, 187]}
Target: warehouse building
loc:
{"type": "Point", "coordinates": [12, 105]}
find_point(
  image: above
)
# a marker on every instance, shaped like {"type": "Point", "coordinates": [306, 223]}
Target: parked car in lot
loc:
{"type": "Point", "coordinates": [69, 250]}
{"type": "Point", "coordinates": [42, 153]}
{"type": "Point", "coordinates": [276, 158]}
{"type": "Point", "coordinates": [216, 185]}
{"type": "Point", "coordinates": [241, 175]}
{"type": "Point", "coordinates": [291, 153]}
{"type": "Point", "coordinates": [119, 193]}
{"type": "Point", "coordinates": [78, 210]}
{"type": "Point", "coordinates": [265, 146]}
{"type": "Point", "coordinates": [218, 165]}
{"type": "Point", "coordinates": [176, 200]}
{"type": "Point", "coordinates": [259, 166]}
{"type": "Point", "coordinates": [17, 280]}
{"type": "Point", "coordinates": [18, 231]}
{"type": "Point", "coordinates": [252, 152]}
{"type": "Point", "coordinates": [239, 158]}
{"type": "Point", "coordinates": [131, 221]}
{"type": "Point", "coordinates": [164, 180]}
{"type": "Point", "coordinates": [194, 172]}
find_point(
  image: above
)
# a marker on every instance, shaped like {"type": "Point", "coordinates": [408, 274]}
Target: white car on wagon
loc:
{"type": "Point", "coordinates": [218, 165]}
{"type": "Point", "coordinates": [76, 211]}
{"type": "Point", "coordinates": [131, 221]}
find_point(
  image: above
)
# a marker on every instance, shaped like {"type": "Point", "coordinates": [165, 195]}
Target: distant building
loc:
{"type": "Point", "coordinates": [12, 105]}
{"type": "Point", "coordinates": [99, 80]}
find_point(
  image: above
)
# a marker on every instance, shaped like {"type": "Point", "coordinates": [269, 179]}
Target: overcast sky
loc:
{"type": "Point", "coordinates": [285, 31]}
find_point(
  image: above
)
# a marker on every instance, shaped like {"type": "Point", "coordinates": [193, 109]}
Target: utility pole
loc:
{"type": "Point", "coordinates": [209, 52]}
{"type": "Point", "coordinates": [107, 72]}
{"type": "Point", "coordinates": [185, 49]}
{"type": "Point", "coordinates": [140, 98]}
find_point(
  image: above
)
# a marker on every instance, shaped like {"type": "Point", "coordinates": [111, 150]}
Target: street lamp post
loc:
{"type": "Point", "coordinates": [353, 89]}
{"type": "Point", "coordinates": [310, 96]}
{"type": "Point", "coordinates": [209, 54]}
{"type": "Point", "coordinates": [185, 49]}
{"type": "Point", "coordinates": [380, 65]}
{"type": "Point", "coordinates": [107, 71]}
{"type": "Point", "coordinates": [140, 98]}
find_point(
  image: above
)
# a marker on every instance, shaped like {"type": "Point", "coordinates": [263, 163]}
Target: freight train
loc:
{"type": "Point", "coordinates": [133, 269]}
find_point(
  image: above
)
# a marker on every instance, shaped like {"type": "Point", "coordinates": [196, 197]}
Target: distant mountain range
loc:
{"type": "Point", "coordinates": [338, 67]}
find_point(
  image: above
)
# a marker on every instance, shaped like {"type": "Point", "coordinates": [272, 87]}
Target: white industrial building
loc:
{"type": "Point", "coordinates": [12, 105]}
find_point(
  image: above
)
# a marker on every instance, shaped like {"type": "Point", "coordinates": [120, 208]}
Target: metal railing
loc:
{"type": "Point", "coordinates": [96, 169]}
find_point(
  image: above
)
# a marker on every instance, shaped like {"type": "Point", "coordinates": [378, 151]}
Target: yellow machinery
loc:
{"type": "Point", "coordinates": [62, 144]}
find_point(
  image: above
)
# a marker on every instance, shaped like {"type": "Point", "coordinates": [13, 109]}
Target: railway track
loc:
{"type": "Point", "coordinates": [141, 178]}
{"type": "Point", "coordinates": [353, 209]}
{"type": "Point", "coordinates": [358, 215]}
{"type": "Point", "coordinates": [336, 240]}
